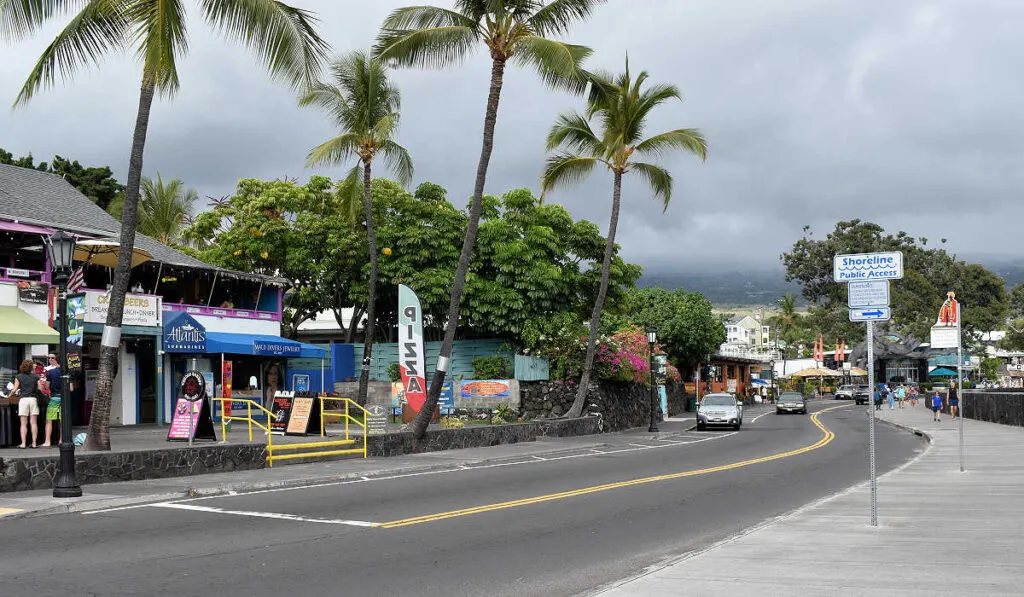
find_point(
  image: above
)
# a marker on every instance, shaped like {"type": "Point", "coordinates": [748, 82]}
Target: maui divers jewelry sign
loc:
{"type": "Point", "coordinates": [139, 309]}
{"type": "Point", "coordinates": [275, 349]}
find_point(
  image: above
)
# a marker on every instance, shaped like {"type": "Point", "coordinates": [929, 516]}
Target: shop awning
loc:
{"type": "Point", "coordinates": [18, 327]}
{"type": "Point", "coordinates": [260, 345]}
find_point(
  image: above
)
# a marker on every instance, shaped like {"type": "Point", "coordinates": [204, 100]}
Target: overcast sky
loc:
{"type": "Point", "coordinates": [907, 112]}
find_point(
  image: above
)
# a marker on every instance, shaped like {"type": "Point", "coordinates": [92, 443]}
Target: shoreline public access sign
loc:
{"type": "Point", "coordinates": [868, 266]}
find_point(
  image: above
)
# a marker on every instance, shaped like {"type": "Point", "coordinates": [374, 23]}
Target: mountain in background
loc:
{"type": "Point", "coordinates": [738, 286]}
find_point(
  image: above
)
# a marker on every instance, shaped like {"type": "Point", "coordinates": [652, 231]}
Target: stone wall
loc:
{"type": "Point", "coordinates": [995, 406]}
{"type": "Point", "coordinates": [621, 405]}
{"type": "Point", "coordinates": [20, 474]}
{"type": "Point", "coordinates": [478, 436]}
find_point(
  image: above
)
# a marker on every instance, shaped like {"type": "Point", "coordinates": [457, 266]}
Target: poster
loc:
{"type": "Point", "coordinates": [185, 420]}
{"type": "Point", "coordinates": [485, 388]}
{"type": "Point", "coordinates": [280, 409]}
{"type": "Point", "coordinates": [76, 330]}
{"type": "Point", "coordinates": [192, 418]}
{"type": "Point", "coordinates": [227, 377]}
{"type": "Point", "coordinates": [32, 292]}
{"type": "Point", "coordinates": [300, 383]}
{"type": "Point", "coordinates": [447, 400]}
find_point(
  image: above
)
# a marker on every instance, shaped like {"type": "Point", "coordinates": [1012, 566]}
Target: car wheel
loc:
{"type": "Point", "coordinates": [803, 412]}
{"type": "Point", "coordinates": [700, 427]}
{"type": "Point", "coordinates": [778, 411]}
{"type": "Point", "coordinates": [736, 427]}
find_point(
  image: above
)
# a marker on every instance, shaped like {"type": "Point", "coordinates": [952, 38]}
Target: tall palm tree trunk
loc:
{"type": "Point", "coordinates": [595, 318]}
{"type": "Point", "coordinates": [371, 323]}
{"type": "Point", "coordinates": [419, 424]}
{"type": "Point", "coordinates": [98, 437]}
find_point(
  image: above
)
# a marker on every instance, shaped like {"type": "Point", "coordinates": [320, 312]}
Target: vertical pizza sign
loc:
{"type": "Point", "coordinates": [410, 348]}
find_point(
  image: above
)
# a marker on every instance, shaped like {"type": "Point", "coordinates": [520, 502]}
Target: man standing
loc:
{"type": "Point", "coordinates": [56, 391]}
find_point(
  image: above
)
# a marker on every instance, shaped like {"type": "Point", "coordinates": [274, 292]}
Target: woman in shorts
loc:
{"type": "Point", "coordinates": [27, 383]}
{"type": "Point", "coordinates": [953, 399]}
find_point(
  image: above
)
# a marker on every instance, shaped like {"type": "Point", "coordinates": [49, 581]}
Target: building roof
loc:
{"type": "Point", "coordinates": [45, 199]}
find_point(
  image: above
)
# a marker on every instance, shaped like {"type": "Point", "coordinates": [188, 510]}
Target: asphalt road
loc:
{"type": "Point", "coordinates": [555, 526]}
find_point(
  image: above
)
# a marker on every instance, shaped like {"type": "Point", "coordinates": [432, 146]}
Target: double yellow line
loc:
{"type": "Point", "coordinates": [824, 441]}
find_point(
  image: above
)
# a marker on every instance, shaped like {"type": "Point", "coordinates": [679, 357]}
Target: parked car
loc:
{"type": "Point", "coordinates": [862, 394]}
{"type": "Point", "coordinates": [719, 410]}
{"type": "Point", "coordinates": [845, 392]}
{"type": "Point", "coordinates": [791, 402]}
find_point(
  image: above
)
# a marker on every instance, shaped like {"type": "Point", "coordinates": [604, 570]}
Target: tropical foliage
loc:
{"type": "Point", "coordinates": [621, 106]}
{"type": "Point", "coordinates": [165, 210]}
{"type": "Point", "coordinates": [517, 31]}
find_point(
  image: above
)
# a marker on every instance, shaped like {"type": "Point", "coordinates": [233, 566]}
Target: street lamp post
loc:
{"type": "Point", "coordinates": [61, 249]}
{"type": "Point", "coordinates": [771, 380]}
{"type": "Point", "coordinates": [652, 337]}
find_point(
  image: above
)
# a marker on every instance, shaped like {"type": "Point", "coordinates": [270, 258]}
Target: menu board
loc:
{"type": "Point", "coordinates": [299, 419]}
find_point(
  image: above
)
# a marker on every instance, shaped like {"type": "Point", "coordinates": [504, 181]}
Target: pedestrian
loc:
{"type": "Point", "coordinates": [936, 406]}
{"type": "Point", "coordinates": [913, 396]}
{"type": "Point", "coordinates": [953, 399]}
{"type": "Point", "coordinates": [879, 396]}
{"type": "Point", "coordinates": [27, 384]}
{"type": "Point", "coordinates": [901, 394]}
{"type": "Point", "coordinates": [890, 394]}
{"type": "Point", "coordinates": [53, 408]}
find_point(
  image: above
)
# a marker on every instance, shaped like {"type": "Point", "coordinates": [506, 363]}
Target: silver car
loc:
{"type": "Point", "coordinates": [791, 402]}
{"type": "Point", "coordinates": [719, 410]}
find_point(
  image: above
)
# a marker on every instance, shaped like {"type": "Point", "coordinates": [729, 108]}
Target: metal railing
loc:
{"type": "Point", "coordinates": [314, 448]}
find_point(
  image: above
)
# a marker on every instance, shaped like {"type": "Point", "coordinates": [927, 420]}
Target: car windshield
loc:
{"type": "Point", "coordinates": [792, 396]}
{"type": "Point", "coordinates": [845, 387]}
{"type": "Point", "coordinates": [719, 401]}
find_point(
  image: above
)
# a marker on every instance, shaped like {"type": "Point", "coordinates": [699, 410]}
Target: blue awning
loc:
{"type": "Point", "coordinates": [260, 345]}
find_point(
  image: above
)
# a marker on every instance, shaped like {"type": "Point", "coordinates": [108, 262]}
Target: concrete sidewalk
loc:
{"type": "Point", "coordinates": [112, 495]}
{"type": "Point", "coordinates": [941, 532]}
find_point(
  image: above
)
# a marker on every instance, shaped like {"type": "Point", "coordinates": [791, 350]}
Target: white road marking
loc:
{"type": "Point", "coordinates": [759, 416]}
{"type": "Point", "coordinates": [274, 515]}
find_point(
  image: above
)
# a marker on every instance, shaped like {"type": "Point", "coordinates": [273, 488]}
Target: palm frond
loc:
{"type": "Point", "coordinates": [328, 98]}
{"type": "Point", "coordinates": [657, 178]}
{"type": "Point", "coordinates": [690, 140]}
{"type": "Point", "coordinates": [98, 28]}
{"type": "Point", "coordinates": [386, 127]}
{"type": "Point", "coordinates": [557, 63]}
{"type": "Point", "coordinates": [556, 17]}
{"type": "Point", "coordinates": [21, 18]}
{"type": "Point", "coordinates": [160, 38]}
{"type": "Point", "coordinates": [564, 169]}
{"type": "Point", "coordinates": [335, 151]}
{"type": "Point", "coordinates": [426, 17]}
{"type": "Point", "coordinates": [350, 196]}
{"type": "Point", "coordinates": [398, 161]}
{"type": "Point", "coordinates": [435, 47]}
{"type": "Point", "coordinates": [572, 132]}
{"type": "Point", "coordinates": [284, 38]}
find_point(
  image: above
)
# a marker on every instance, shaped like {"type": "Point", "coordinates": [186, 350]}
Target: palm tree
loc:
{"type": "Point", "coordinates": [512, 30]}
{"type": "Point", "coordinates": [283, 37]}
{"type": "Point", "coordinates": [621, 107]}
{"type": "Point", "coordinates": [785, 319]}
{"type": "Point", "coordinates": [365, 107]}
{"type": "Point", "coordinates": [165, 209]}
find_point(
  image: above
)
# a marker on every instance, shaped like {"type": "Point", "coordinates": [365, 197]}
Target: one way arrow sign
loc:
{"type": "Point", "coordinates": [872, 314]}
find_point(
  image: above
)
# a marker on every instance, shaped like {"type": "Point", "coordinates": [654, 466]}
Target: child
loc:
{"type": "Point", "coordinates": [936, 406]}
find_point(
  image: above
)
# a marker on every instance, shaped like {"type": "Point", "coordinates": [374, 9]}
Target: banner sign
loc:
{"type": "Point", "coordinates": [485, 388]}
{"type": "Point", "coordinates": [184, 334]}
{"type": "Point", "coordinates": [76, 330]}
{"type": "Point", "coordinates": [411, 355]}
{"type": "Point", "coordinates": [275, 349]}
{"type": "Point", "coordinates": [139, 309]}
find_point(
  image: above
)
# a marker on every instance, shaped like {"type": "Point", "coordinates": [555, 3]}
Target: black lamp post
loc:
{"type": "Point", "coordinates": [652, 337]}
{"type": "Point", "coordinates": [61, 249]}
{"type": "Point", "coordinates": [771, 380]}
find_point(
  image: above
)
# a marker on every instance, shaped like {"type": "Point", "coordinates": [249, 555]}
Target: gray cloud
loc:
{"type": "Point", "coordinates": [906, 113]}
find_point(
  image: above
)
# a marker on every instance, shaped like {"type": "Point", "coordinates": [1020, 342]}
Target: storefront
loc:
{"type": "Point", "coordinates": [138, 391]}
{"type": "Point", "coordinates": [254, 366]}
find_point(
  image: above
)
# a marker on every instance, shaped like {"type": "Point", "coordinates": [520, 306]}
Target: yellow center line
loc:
{"type": "Point", "coordinates": [824, 441]}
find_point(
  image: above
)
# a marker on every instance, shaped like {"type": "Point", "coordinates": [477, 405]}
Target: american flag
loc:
{"type": "Point", "coordinates": [77, 280]}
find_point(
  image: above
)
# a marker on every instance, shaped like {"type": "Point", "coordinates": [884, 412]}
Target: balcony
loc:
{"type": "Point", "coordinates": [232, 313]}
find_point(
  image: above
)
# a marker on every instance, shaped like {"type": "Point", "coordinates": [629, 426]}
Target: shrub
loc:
{"type": "Point", "coordinates": [395, 372]}
{"type": "Point", "coordinates": [496, 367]}
{"type": "Point", "coordinates": [452, 423]}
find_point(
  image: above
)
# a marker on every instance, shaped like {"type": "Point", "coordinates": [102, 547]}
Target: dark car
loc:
{"type": "Point", "coordinates": [791, 402]}
{"type": "Point", "coordinates": [862, 394]}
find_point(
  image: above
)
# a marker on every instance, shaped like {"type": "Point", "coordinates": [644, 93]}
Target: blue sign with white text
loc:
{"type": "Point", "coordinates": [184, 334]}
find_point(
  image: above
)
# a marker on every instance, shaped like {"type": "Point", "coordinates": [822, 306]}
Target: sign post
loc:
{"type": "Point", "coordinates": [946, 334]}
{"type": "Point", "coordinates": [868, 275]}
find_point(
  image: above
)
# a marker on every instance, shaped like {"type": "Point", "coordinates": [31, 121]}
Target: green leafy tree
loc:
{"type": "Point", "coordinates": [165, 209]}
{"type": "Point", "coordinates": [517, 31]}
{"type": "Point", "coordinates": [283, 37]}
{"type": "Point", "coordinates": [95, 182]}
{"type": "Point", "coordinates": [364, 106]}
{"type": "Point", "coordinates": [688, 330]}
{"type": "Point", "coordinates": [621, 106]}
{"type": "Point", "coordinates": [786, 321]}
{"type": "Point", "coordinates": [929, 273]}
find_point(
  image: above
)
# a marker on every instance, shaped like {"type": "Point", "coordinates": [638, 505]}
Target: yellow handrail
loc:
{"type": "Point", "coordinates": [346, 416]}
{"type": "Point", "coordinates": [248, 419]}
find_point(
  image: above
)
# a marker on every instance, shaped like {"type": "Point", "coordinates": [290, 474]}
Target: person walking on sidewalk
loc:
{"type": "Point", "coordinates": [879, 396]}
{"type": "Point", "coordinates": [936, 406]}
{"type": "Point", "coordinates": [953, 399]}
{"type": "Point", "coordinates": [901, 394]}
{"type": "Point", "coordinates": [913, 396]}
{"type": "Point", "coordinates": [890, 394]}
